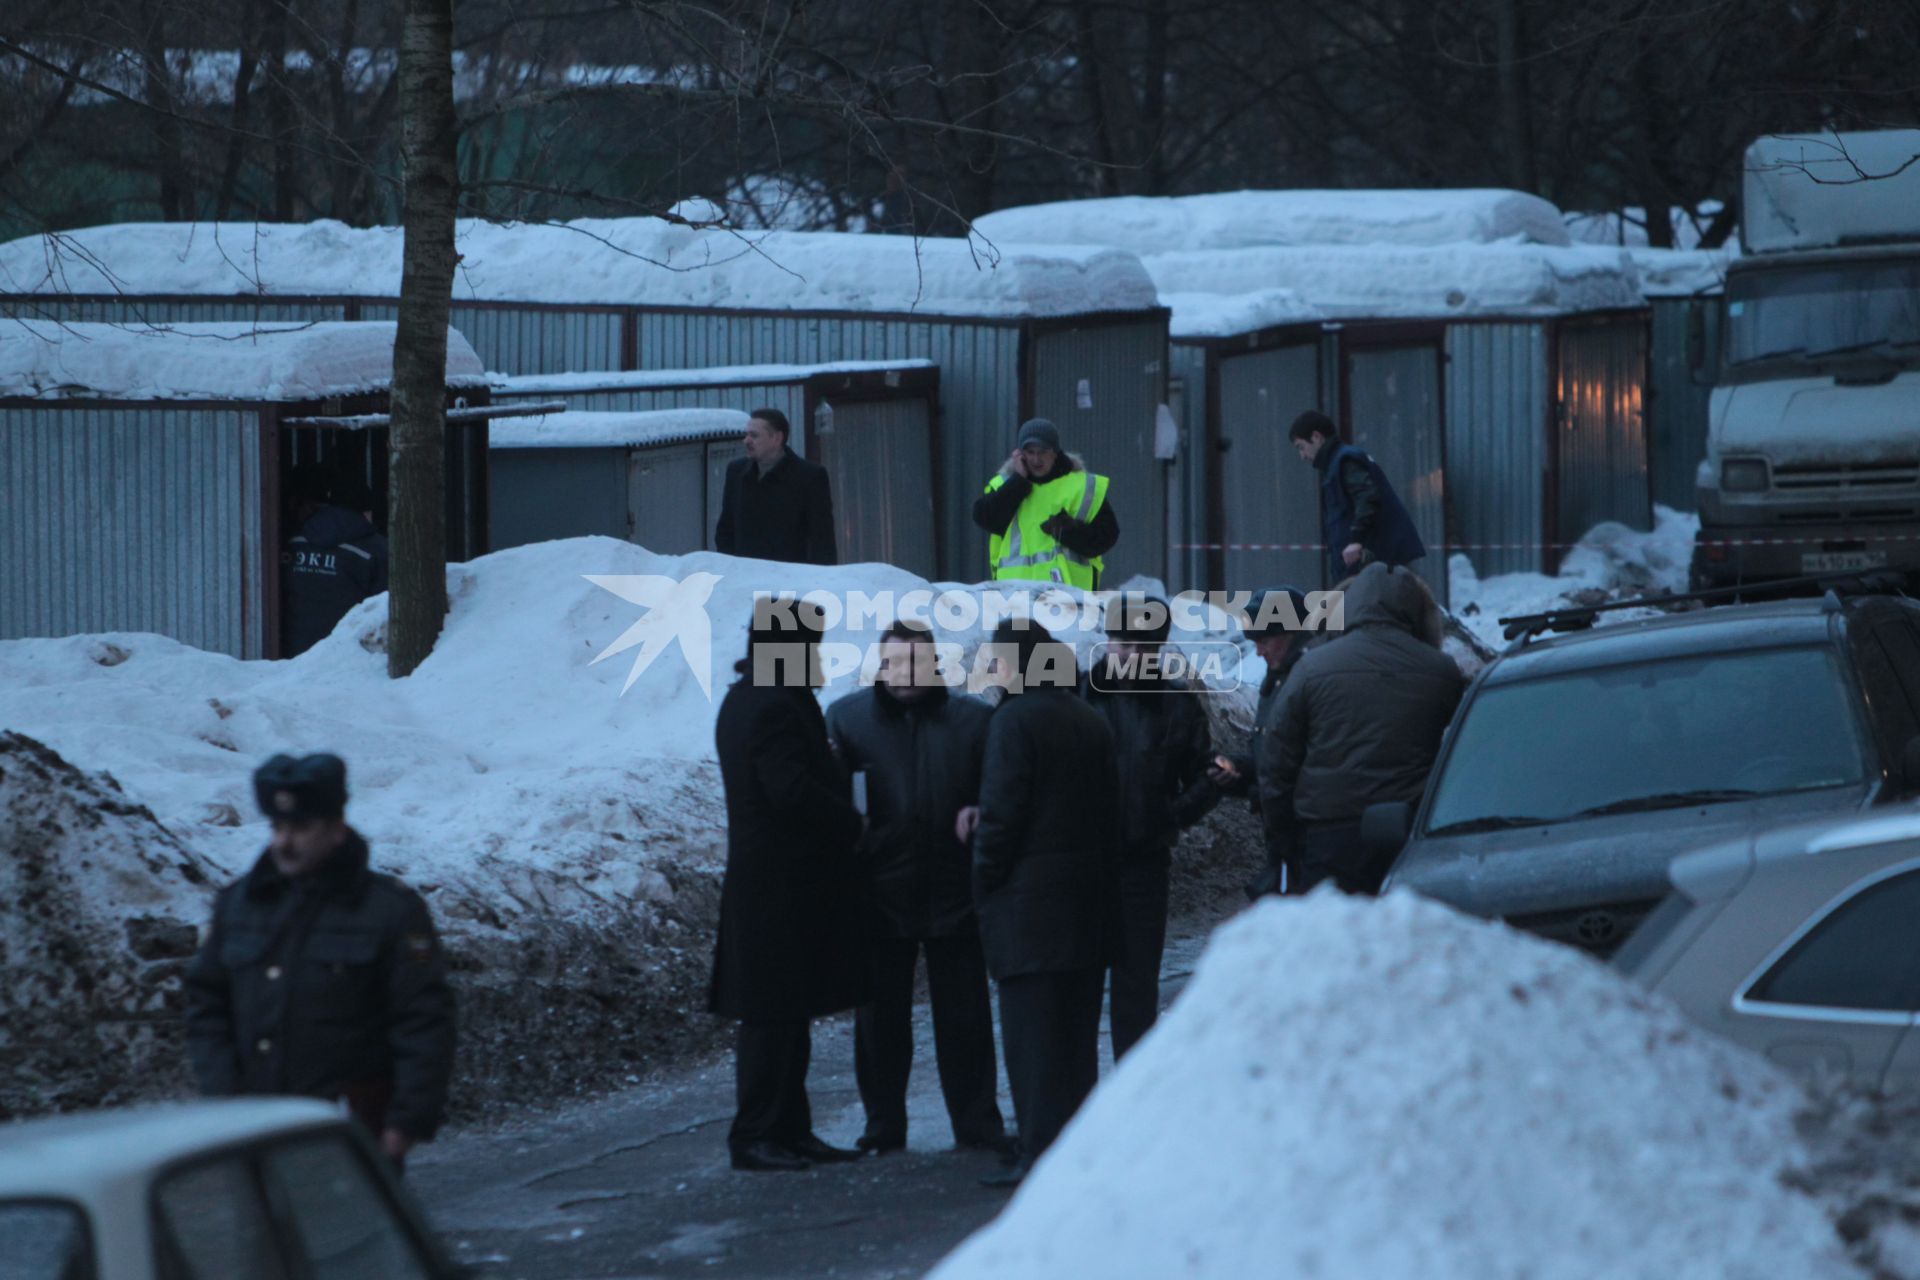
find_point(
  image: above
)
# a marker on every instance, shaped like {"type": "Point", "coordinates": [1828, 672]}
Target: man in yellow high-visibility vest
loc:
{"type": "Point", "coordinates": [1048, 516]}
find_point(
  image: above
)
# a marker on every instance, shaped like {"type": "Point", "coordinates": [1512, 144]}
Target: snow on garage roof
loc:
{"type": "Point", "coordinates": [719, 376]}
{"type": "Point", "coordinates": [1223, 315]}
{"type": "Point", "coordinates": [233, 360]}
{"type": "Point", "coordinates": [1681, 273]}
{"type": "Point", "coordinates": [1245, 219]}
{"type": "Point", "coordinates": [604, 261]}
{"type": "Point", "coordinates": [1410, 282]}
{"type": "Point", "coordinates": [613, 430]}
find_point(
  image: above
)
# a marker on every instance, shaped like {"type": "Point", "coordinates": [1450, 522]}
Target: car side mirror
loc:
{"type": "Point", "coordinates": [1384, 828]}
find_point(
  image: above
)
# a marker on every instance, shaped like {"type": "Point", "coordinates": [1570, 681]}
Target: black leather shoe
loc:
{"type": "Point", "coordinates": [812, 1148]}
{"type": "Point", "coordinates": [769, 1157]}
{"type": "Point", "coordinates": [1002, 1143]}
{"type": "Point", "coordinates": [879, 1144]}
{"type": "Point", "coordinates": [1005, 1179]}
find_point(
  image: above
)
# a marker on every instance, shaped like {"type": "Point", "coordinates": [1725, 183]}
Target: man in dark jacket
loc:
{"type": "Point", "coordinates": [1358, 722]}
{"type": "Point", "coordinates": [919, 749]}
{"type": "Point", "coordinates": [1050, 518]}
{"type": "Point", "coordinates": [321, 977]}
{"type": "Point", "coordinates": [1043, 865]}
{"type": "Point", "coordinates": [1163, 750]}
{"type": "Point", "coordinates": [1361, 517]}
{"type": "Point", "coordinates": [774, 504]}
{"type": "Point", "coordinates": [336, 560]}
{"type": "Point", "coordinates": [1280, 638]}
{"type": "Point", "coordinates": [793, 936]}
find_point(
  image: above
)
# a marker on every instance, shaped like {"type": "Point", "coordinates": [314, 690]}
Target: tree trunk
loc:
{"type": "Point", "coordinates": [279, 97]}
{"type": "Point", "coordinates": [1516, 97]}
{"type": "Point", "coordinates": [417, 607]}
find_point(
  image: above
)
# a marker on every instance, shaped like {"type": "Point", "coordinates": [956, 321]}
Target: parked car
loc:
{"type": "Point", "coordinates": [1800, 944]}
{"type": "Point", "coordinates": [252, 1189]}
{"type": "Point", "coordinates": [1579, 766]}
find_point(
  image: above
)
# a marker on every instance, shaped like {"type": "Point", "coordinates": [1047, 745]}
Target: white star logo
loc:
{"type": "Point", "coordinates": [676, 610]}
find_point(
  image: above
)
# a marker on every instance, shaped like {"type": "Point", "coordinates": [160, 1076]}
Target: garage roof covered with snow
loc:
{"type": "Point", "coordinates": [1246, 219]}
{"type": "Point", "coordinates": [613, 430]}
{"type": "Point", "coordinates": [648, 262]}
{"type": "Point", "coordinates": [235, 360]}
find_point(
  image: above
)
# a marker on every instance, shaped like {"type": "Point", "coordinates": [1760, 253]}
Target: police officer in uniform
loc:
{"type": "Point", "coordinates": [320, 976]}
{"type": "Point", "coordinates": [1049, 516]}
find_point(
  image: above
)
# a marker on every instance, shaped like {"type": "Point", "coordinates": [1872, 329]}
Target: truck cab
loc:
{"type": "Point", "coordinates": [1813, 449]}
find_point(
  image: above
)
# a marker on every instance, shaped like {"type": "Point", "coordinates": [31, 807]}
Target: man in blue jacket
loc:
{"type": "Point", "coordinates": [1361, 517]}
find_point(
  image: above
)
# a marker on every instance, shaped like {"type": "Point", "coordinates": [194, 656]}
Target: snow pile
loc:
{"type": "Point", "coordinates": [212, 361]}
{"type": "Point", "coordinates": [582, 430]}
{"type": "Point", "coordinates": [1681, 273]}
{"type": "Point", "coordinates": [621, 261]}
{"type": "Point", "coordinates": [1361, 1088]}
{"type": "Point", "coordinates": [1610, 562]}
{"type": "Point", "coordinates": [1224, 315]}
{"type": "Point", "coordinates": [1628, 226]}
{"type": "Point", "coordinates": [533, 384]}
{"type": "Point", "coordinates": [1414, 282]}
{"type": "Point", "coordinates": [1246, 219]}
{"type": "Point", "coordinates": [98, 911]}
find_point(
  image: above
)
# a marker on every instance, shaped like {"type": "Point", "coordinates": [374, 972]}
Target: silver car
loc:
{"type": "Point", "coordinates": [1800, 943]}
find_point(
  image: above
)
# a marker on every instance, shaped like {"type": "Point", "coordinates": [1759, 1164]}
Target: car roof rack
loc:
{"type": "Point", "coordinates": [1579, 617]}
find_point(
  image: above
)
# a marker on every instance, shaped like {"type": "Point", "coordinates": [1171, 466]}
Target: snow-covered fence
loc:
{"type": "Point", "coordinates": [141, 469]}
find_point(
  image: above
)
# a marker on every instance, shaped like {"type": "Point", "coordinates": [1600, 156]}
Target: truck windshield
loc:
{"type": "Point", "coordinates": [1654, 735]}
{"type": "Point", "coordinates": [1812, 311]}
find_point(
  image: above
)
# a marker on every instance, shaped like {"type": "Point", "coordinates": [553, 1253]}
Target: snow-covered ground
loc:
{"type": "Point", "coordinates": [1611, 561]}
{"type": "Point", "coordinates": [1361, 1088]}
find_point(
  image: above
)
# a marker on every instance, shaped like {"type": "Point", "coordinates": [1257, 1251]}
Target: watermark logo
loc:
{"type": "Point", "coordinates": [676, 612]}
{"type": "Point", "coordinates": [1209, 666]}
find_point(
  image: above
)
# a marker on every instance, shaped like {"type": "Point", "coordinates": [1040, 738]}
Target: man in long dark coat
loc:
{"type": "Point", "coordinates": [774, 504]}
{"type": "Point", "coordinates": [1043, 865]}
{"type": "Point", "coordinates": [793, 936]}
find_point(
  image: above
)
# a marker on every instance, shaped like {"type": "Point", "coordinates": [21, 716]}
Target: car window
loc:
{"type": "Point", "coordinates": [345, 1223]}
{"type": "Point", "coordinates": [1650, 735]}
{"type": "Point", "coordinates": [1864, 955]}
{"type": "Point", "coordinates": [213, 1224]}
{"type": "Point", "coordinates": [44, 1240]}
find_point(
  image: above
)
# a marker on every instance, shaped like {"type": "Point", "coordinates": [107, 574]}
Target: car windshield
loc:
{"type": "Point", "coordinates": [1654, 735]}
{"type": "Point", "coordinates": [1805, 313]}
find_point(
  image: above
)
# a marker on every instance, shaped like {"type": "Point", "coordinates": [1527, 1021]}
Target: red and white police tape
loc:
{"type": "Point", "coordinates": [1551, 546]}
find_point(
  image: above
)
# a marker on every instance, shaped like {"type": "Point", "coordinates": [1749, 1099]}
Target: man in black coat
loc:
{"type": "Point", "coordinates": [793, 936]}
{"type": "Point", "coordinates": [920, 748]}
{"type": "Point", "coordinates": [774, 504]}
{"type": "Point", "coordinates": [1163, 750]}
{"type": "Point", "coordinates": [1043, 865]}
{"type": "Point", "coordinates": [321, 977]}
{"type": "Point", "coordinates": [336, 560]}
{"type": "Point", "coordinates": [1358, 722]}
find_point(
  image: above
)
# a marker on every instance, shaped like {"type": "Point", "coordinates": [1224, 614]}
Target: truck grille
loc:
{"type": "Point", "coordinates": [1599, 929]}
{"type": "Point", "coordinates": [1848, 517]}
{"type": "Point", "coordinates": [1879, 475]}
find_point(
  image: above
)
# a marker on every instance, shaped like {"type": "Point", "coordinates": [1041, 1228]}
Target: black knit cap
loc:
{"type": "Point", "coordinates": [299, 789]}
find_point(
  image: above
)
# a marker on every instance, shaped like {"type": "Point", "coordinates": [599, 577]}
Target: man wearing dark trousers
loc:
{"type": "Point", "coordinates": [774, 504]}
{"type": "Point", "coordinates": [1361, 518]}
{"type": "Point", "coordinates": [919, 748]}
{"type": "Point", "coordinates": [335, 561]}
{"type": "Point", "coordinates": [1043, 859]}
{"type": "Point", "coordinates": [320, 976]}
{"type": "Point", "coordinates": [792, 943]}
{"type": "Point", "coordinates": [1164, 749]}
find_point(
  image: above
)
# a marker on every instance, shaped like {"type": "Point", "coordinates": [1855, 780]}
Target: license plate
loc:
{"type": "Point", "coordinates": [1841, 561]}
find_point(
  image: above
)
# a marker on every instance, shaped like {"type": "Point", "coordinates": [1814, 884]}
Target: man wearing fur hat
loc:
{"type": "Point", "coordinates": [321, 977]}
{"type": "Point", "coordinates": [1048, 517]}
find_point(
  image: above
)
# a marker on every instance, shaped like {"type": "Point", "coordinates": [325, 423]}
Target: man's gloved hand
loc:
{"type": "Point", "coordinates": [1060, 521]}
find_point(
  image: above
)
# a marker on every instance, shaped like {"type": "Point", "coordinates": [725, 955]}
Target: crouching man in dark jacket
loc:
{"type": "Point", "coordinates": [920, 749]}
{"type": "Point", "coordinates": [794, 931]}
{"type": "Point", "coordinates": [321, 977]}
{"type": "Point", "coordinates": [1163, 749]}
{"type": "Point", "coordinates": [1358, 722]}
{"type": "Point", "coordinates": [1043, 857]}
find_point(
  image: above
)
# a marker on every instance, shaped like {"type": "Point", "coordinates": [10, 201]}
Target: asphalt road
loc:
{"type": "Point", "coordinates": [637, 1184]}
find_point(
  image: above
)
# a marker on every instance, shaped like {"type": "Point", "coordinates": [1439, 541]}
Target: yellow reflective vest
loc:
{"type": "Point", "coordinates": [1024, 551]}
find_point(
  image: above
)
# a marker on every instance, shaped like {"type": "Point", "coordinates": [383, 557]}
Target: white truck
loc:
{"type": "Point", "coordinates": [1813, 447]}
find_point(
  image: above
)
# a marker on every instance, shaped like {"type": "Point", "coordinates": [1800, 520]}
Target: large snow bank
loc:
{"type": "Point", "coordinates": [518, 384]}
{"type": "Point", "coordinates": [1382, 1088]}
{"type": "Point", "coordinates": [595, 430]}
{"type": "Point", "coordinates": [620, 261]}
{"type": "Point", "coordinates": [1414, 282]}
{"type": "Point", "coordinates": [1244, 219]}
{"type": "Point", "coordinates": [1610, 561]}
{"type": "Point", "coordinates": [212, 361]}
